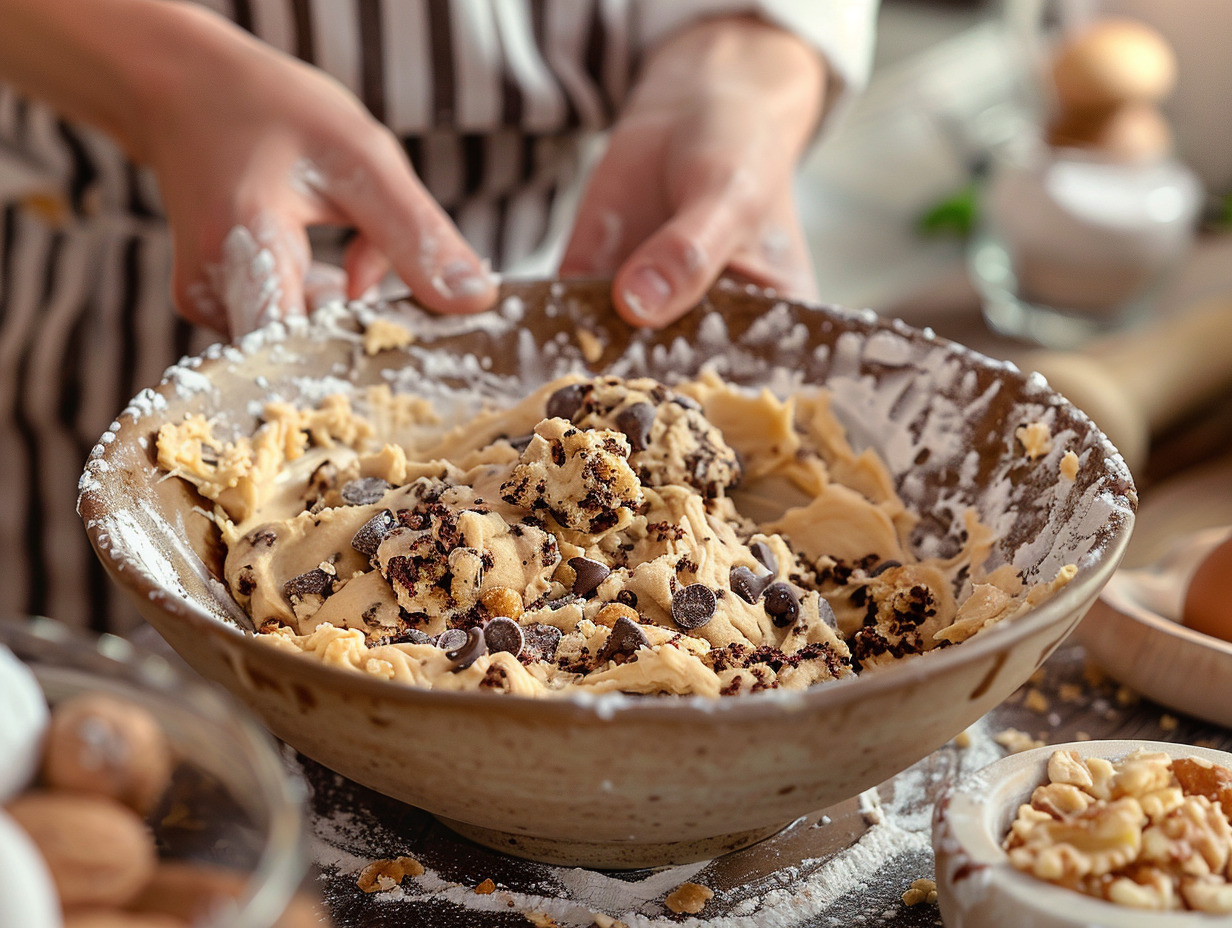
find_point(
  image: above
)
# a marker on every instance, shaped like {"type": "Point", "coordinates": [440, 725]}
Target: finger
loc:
{"type": "Point", "coordinates": [778, 257]}
{"type": "Point", "coordinates": [669, 272]}
{"type": "Point", "coordinates": [396, 214]}
{"type": "Point", "coordinates": [365, 265]}
{"type": "Point", "coordinates": [259, 274]}
{"type": "Point", "coordinates": [610, 222]}
{"type": "Point", "coordinates": [324, 284]}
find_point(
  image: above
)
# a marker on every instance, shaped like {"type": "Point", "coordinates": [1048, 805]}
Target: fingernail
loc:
{"type": "Point", "coordinates": [461, 278]}
{"type": "Point", "coordinates": [648, 291]}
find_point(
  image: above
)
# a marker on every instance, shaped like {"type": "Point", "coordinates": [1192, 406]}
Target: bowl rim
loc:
{"type": "Point", "coordinates": [271, 885]}
{"type": "Point", "coordinates": [1084, 587]}
{"type": "Point", "coordinates": [982, 799]}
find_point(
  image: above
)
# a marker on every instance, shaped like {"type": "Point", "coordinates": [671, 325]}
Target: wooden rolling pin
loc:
{"type": "Point", "coordinates": [1135, 384]}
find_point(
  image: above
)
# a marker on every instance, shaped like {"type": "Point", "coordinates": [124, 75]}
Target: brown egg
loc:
{"type": "Point", "coordinates": [1134, 132]}
{"type": "Point", "coordinates": [1208, 599]}
{"type": "Point", "coordinates": [1113, 61]}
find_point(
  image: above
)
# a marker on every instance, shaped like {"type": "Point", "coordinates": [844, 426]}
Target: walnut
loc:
{"type": "Point", "coordinates": [1146, 832]}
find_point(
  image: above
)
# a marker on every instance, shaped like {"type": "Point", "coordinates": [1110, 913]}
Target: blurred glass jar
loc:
{"type": "Point", "coordinates": [229, 830]}
{"type": "Point", "coordinates": [1070, 244]}
{"type": "Point", "coordinates": [1084, 211]}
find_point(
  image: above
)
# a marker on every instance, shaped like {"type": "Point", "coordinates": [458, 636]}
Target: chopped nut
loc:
{"type": "Point", "coordinates": [1070, 692]}
{"type": "Point", "coordinates": [486, 888]}
{"type": "Point", "coordinates": [1067, 767]}
{"type": "Point", "coordinates": [1016, 741]}
{"type": "Point", "coordinates": [923, 890]}
{"type": "Point", "coordinates": [502, 600]}
{"type": "Point", "coordinates": [688, 898]}
{"type": "Point", "coordinates": [1147, 832]}
{"type": "Point", "coordinates": [962, 739]}
{"type": "Point", "coordinates": [1036, 701]}
{"type": "Point", "coordinates": [383, 875]}
{"type": "Point", "coordinates": [613, 612]}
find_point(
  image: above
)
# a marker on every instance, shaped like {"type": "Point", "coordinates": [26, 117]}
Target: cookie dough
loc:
{"type": "Point", "coordinates": [603, 534]}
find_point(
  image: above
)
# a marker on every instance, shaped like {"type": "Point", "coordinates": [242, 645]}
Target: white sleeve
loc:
{"type": "Point", "coordinates": [842, 30]}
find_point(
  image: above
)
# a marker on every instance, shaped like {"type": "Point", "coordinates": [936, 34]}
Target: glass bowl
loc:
{"type": "Point", "coordinates": [230, 810]}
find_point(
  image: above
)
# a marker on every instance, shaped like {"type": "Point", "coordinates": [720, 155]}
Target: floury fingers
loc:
{"type": "Point", "coordinates": [591, 538]}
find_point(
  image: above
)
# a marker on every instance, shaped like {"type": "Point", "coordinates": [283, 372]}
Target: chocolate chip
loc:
{"type": "Point", "coordinates": [451, 639]}
{"type": "Point", "coordinates": [635, 421]}
{"type": "Point", "coordinates": [364, 491]}
{"type": "Point", "coordinates": [623, 641]}
{"type": "Point", "coordinates": [315, 582]}
{"type": "Point", "coordinates": [588, 574]}
{"type": "Point", "coordinates": [541, 641]}
{"type": "Point", "coordinates": [627, 597]}
{"type": "Point", "coordinates": [372, 533]}
{"type": "Point", "coordinates": [883, 567]}
{"type": "Point", "coordinates": [521, 443]}
{"type": "Point", "coordinates": [469, 652]}
{"type": "Point", "coordinates": [686, 402]}
{"type": "Point", "coordinates": [782, 604]}
{"type": "Point", "coordinates": [693, 605]}
{"type": "Point", "coordinates": [747, 585]}
{"type": "Point", "coordinates": [565, 402]}
{"type": "Point", "coordinates": [762, 552]}
{"type": "Point", "coordinates": [503, 634]}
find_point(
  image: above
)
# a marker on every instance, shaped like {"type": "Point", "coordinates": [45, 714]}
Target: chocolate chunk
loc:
{"type": "Point", "coordinates": [686, 402]}
{"type": "Point", "coordinates": [372, 533]}
{"type": "Point", "coordinates": [469, 652]}
{"type": "Point", "coordinates": [588, 574]}
{"type": "Point", "coordinates": [747, 585]}
{"type": "Point", "coordinates": [414, 636]}
{"type": "Point", "coordinates": [565, 402]}
{"type": "Point", "coordinates": [451, 639]}
{"type": "Point", "coordinates": [627, 597]}
{"type": "Point", "coordinates": [826, 612]}
{"type": "Point", "coordinates": [782, 604]}
{"type": "Point", "coordinates": [541, 641]}
{"type": "Point", "coordinates": [364, 491]}
{"type": "Point", "coordinates": [623, 641]}
{"type": "Point", "coordinates": [503, 634]}
{"type": "Point", "coordinates": [315, 582]}
{"type": "Point", "coordinates": [635, 422]}
{"type": "Point", "coordinates": [762, 552]}
{"type": "Point", "coordinates": [693, 605]}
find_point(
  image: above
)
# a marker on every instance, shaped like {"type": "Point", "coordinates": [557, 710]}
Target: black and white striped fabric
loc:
{"type": "Point", "coordinates": [491, 99]}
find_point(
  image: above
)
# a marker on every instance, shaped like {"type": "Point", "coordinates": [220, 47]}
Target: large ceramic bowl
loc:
{"type": "Point", "coordinates": [618, 781]}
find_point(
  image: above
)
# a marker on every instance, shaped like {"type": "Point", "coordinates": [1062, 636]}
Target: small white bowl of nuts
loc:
{"type": "Point", "coordinates": [1132, 834]}
{"type": "Point", "coordinates": [131, 796]}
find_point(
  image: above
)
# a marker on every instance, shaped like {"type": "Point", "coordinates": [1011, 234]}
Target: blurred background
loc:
{"type": "Point", "coordinates": [893, 195]}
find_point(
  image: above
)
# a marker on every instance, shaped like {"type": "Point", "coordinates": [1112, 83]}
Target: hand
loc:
{"type": "Point", "coordinates": [251, 147]}
{"type": "Point", "coordinates": [697, 177]}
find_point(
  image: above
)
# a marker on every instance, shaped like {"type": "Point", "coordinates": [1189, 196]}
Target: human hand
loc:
{"type": "Point", "coordinates": [251, 147]}
{"type": "Point", "coordinates": [697, 177]}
